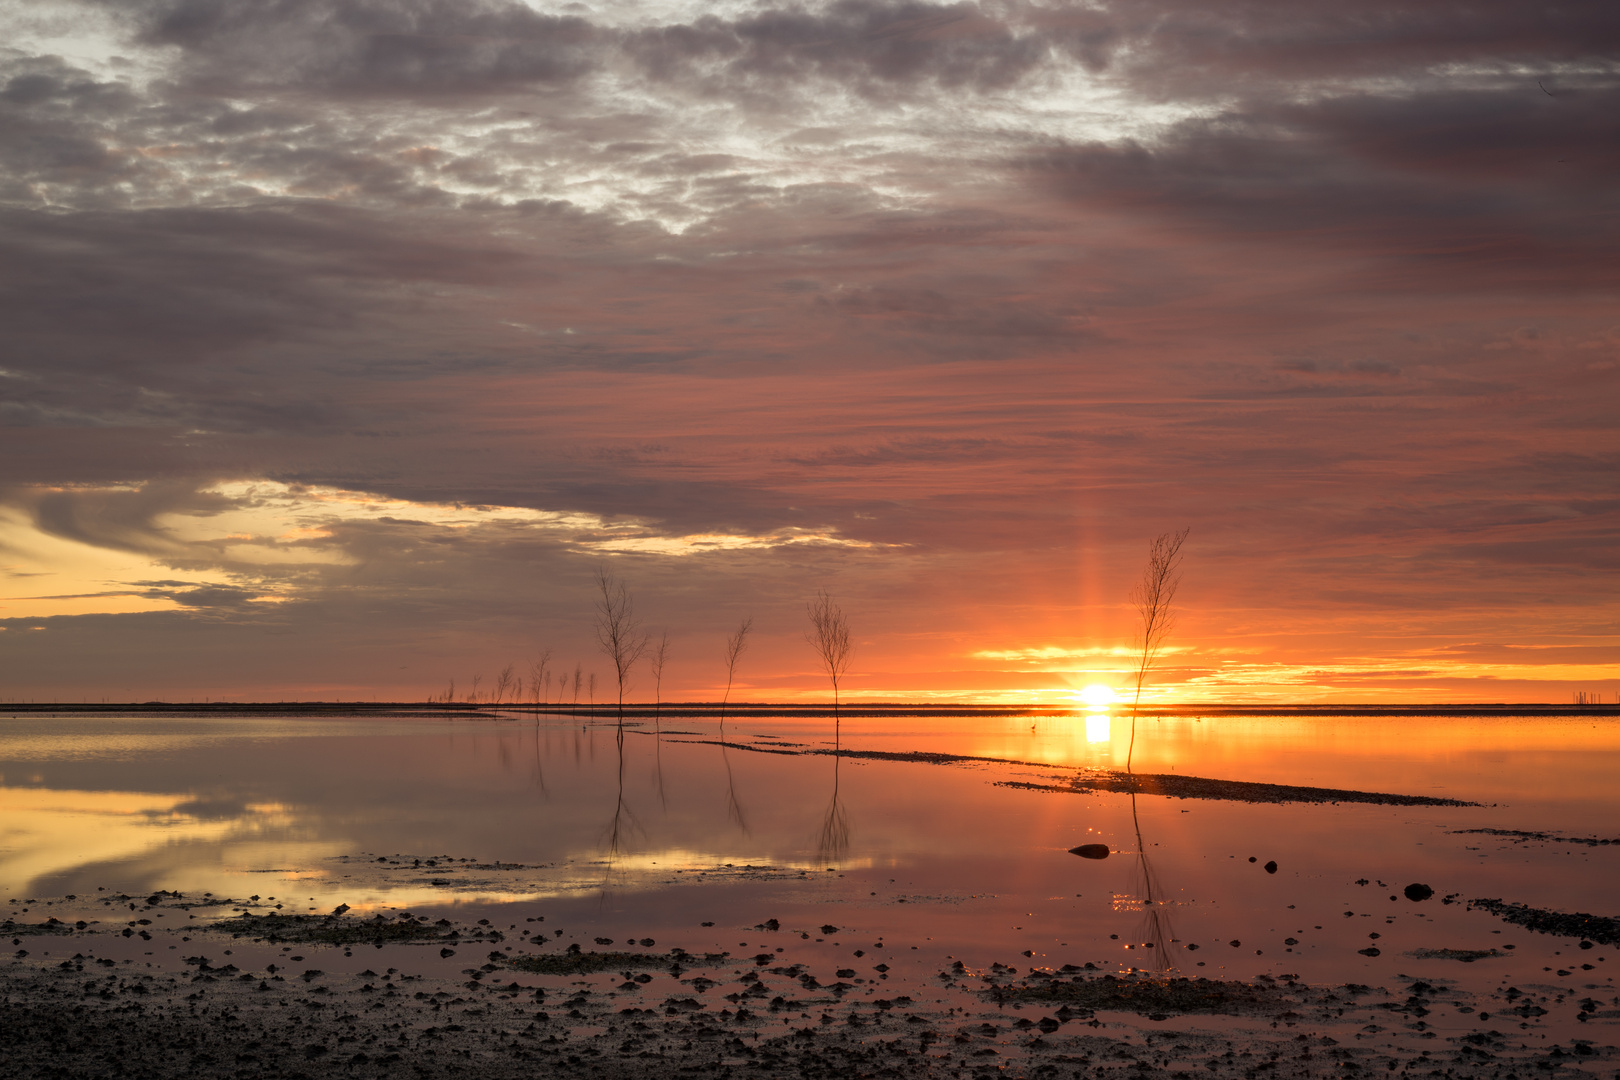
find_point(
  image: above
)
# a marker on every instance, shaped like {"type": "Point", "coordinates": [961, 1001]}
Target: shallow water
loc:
{"type": "Point", "coordinates": [656, 833]}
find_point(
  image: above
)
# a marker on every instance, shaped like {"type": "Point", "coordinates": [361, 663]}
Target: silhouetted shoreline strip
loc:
{"type": "Point", "coordinates": [485, 710]}
{"type": "Point", "coordinates": [1170, 785]}
{"type": "Point", "coordinates": [1199, 787]}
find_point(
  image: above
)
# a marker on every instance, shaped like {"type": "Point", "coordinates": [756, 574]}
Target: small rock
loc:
{"type": "Point", "coordinates": [1090, 851]}
{"type": "Point", "coordinates": [1271, 867]}
{"type": "Point", "coordinates": [1418, 891]}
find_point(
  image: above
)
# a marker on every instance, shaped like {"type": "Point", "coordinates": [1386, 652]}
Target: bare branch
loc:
{"type": "Point", "coordinates": [829, 636]}
{"type": "Point", "coordinates": [617, 630]}
{"type": "Point", "coordinates": [1153, 598]}
{"type": "Point", "coordinates": [735, 644]}
{"type": "Point", "coordinates": [540, 678]}
{"type": "Point", "coordinates": [656, 661]}
{"type": "Point", "coordinates": [504, 684]}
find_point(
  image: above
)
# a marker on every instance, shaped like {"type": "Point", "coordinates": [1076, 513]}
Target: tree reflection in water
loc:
{"type": "Point", "coordinates": [734, 810]}
{"type": "Point", "coordinates": [1154, 931]}
{"type": "Point", "coordinates": [624, 824]}
{"type": "Point", "coordinates": [832, 844]}
{"type": "Point", "coordinates": [539, 767]}
{"type": "Point", "coordinates": [658, 766]}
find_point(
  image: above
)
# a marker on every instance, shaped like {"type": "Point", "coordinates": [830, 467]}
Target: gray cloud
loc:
{"type": "Point", "coordinates": [999, 289]}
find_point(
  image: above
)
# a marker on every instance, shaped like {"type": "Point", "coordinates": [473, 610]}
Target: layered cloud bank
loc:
{"type": "Point", "coordinates": [344, 339]}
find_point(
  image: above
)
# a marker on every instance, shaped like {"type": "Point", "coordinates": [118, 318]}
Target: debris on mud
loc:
{"type": "Point", "coordinates": [573, 1017]}
{"type": "Point", "coordinates": [49, 926]}
{"type": "Point", "coordinates": [338, 929]}
{"type": "Point", "coordinates": [1151, 995]}
{"type": "Point", "coordinates": [1467, 956]}
{"type": "Point", "coordinates": [1598, 928]}
{"type": "Point", "coordinates": [1521, 836]}
{"type": "Point", "coordinates": [575, 962]}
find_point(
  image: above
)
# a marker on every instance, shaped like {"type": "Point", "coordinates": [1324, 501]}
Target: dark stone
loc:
{"type": "Point", "coordinates": [1090, 851]}
{"type": "Point", "coordinates": [1418, 891]}
{"type": "Point", "coordinates": [1271, 867]}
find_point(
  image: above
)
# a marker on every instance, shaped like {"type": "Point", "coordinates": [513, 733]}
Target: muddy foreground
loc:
{"type": "Point", "coordinates": [247, 997]}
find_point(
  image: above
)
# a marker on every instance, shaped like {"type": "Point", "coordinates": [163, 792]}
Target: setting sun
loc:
{"type": "Point", "coordinates": [1097, 695]}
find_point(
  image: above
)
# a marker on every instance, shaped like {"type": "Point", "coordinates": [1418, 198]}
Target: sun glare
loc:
{"type": "Point", "coordinates": [1097, 696]}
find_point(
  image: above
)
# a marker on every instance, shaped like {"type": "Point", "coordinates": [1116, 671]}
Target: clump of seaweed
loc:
{"type": "Point", "coordinates": [1153, 996]}
{"type": "Point", "coordinates": [337, 929]}
{"type": "Point", "coordinates": [49, 926]}
{"type": "Point", "coordinates": [1467, 956]}
{"type": "Point", "coordinates": [585, 963]}
{"type": "Point", "coordinates": [1598, 928]}
{"type": "Point", "coordinates": [574, 962]}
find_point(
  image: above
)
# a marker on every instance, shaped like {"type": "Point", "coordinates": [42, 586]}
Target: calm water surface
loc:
{"type": "Point", "coordinates": [657, 833]}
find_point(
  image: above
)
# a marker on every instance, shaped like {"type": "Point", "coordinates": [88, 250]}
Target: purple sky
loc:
{"type": "Point", "coordinates": [344, 339]}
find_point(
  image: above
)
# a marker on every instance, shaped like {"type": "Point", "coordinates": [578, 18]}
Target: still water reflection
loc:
{"type": "Point", "coordinates": [684, 823]}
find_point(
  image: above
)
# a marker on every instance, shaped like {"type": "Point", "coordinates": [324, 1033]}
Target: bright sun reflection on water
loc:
{"type": "Point", "coordinates": [1097, 728]}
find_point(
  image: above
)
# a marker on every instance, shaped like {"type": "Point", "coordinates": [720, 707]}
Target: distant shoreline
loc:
{"type": "Point", "coordinates": [647, 711]}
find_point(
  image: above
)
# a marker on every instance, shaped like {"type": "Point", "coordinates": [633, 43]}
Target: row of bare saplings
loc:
{"type": "Point", "coordinates": [622, 640]}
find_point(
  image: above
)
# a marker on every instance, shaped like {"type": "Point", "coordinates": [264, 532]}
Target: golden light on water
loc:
{"type": "Point", "coordinates": [1098, 728]}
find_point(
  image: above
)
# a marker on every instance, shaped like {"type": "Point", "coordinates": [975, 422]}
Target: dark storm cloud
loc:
{"type": "Point", "coordinates": [873, 49]}
{"type": "Point", "coordinates": [372, 46]}
{"type": "Point", "coordinates": [436, 48]}
{"type": "Point", "coordinates": [1190, 48]}
{"type": "Point", "coordinates": [1495, 187]}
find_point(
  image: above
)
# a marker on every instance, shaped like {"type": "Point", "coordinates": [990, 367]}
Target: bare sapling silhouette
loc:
{"type": "Point", "coordinates": [579, 679]}
{"type": "Point", "coordinates": [656, 659]}
{"type": "Point", "coordinates": [473, 696]}
{"type": "Point", "coordinates": [540, 678]}
{"type": "Point", "coordinates": [1154, 597]}
{"type": "Point", "coordinates": [829, 636]}
{"type": "Point", "coordinates": [505, 684]}
{"type": "Point", "coordinates": [591, 698]}
{"type": "Point", "coordinates": [449, 694]}
{"type": "Point", "coordinates": [735, 644]}
{"type": "Point", "coordinates": [617, 632]}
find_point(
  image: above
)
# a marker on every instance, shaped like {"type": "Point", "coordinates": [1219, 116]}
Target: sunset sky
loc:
{"type": "Point", "coordinates": [341, 341]}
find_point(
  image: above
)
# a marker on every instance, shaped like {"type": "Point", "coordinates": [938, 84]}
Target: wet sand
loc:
{"type": "Point", "coordinates": [271, 995]}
